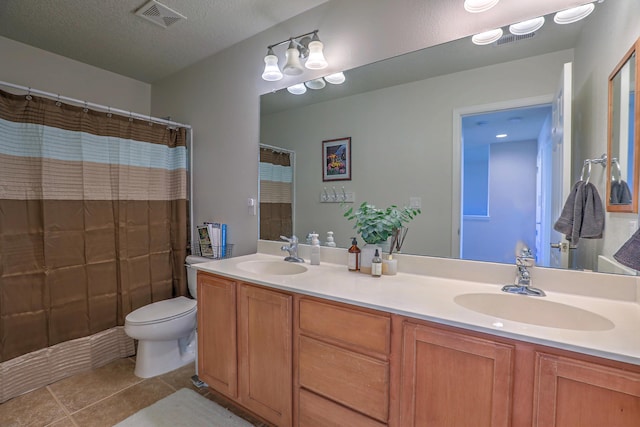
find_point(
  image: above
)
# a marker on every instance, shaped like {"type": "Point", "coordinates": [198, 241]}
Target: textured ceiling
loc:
{"type": "Point", "coordinates": [107, 34]}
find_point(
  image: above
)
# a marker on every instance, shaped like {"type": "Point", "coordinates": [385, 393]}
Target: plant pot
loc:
{"type": "Point", "coordinates": [367, 253]}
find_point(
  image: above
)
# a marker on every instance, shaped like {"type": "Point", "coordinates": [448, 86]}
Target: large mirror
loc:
{"type": "Point", "coordinates": [623, 153]}
{"type": "Point", "coordinates": [422, 124]}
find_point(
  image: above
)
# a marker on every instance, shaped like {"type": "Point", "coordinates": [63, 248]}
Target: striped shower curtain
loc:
{"type": "Point", "coordinates": [276, 188]}
{"type": "Point", "coordinates": [93, 220]}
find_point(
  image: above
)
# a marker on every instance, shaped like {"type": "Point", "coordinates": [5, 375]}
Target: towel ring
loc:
{"type": "Point", "coordinates": [585, 164]}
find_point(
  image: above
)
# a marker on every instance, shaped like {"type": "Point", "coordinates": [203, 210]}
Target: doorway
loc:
{"type": "Point", "coordinates": [504, 189]}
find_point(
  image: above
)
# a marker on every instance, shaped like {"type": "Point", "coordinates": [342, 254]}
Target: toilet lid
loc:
{"type": "Point", "coordinates": [162, 311]}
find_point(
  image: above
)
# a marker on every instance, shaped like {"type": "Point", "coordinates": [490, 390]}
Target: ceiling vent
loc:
{"type": "Point", "coordinates": [510, 38]}
{"type": "Point", "coordinates": [159, 14]}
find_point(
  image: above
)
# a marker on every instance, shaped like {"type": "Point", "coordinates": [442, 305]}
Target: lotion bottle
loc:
{"type": "Point", "coordinates": [354, 256]}
{"type": "Point", "coordinates": [376, 265]}
{"type": "Point", "coordinates": [315, 249]}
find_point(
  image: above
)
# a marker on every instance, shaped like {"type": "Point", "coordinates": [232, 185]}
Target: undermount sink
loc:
{"type": "Point", "coordinates": [535, 311]}
{"type": "Point", "coordinates": [277, 268]}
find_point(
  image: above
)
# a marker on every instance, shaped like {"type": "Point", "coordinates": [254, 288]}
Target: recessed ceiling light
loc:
{"type": "Point", "coordinates": [569, 16]}
{"type": "Point", "coordinates": [487, 37]}
{"type": "Point", "coordinates": [477, 6]}
{"type": "Point", "coordinates": [526, 27]}
{"type": "Point", "coordinates": [501, 135]}
{"type": "Point", "coordinates": [298, 89]}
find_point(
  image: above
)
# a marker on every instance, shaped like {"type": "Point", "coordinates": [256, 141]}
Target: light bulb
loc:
{"type": "Point", "coordinates": [336, 78]}
{"type": "Point", "coordinates": [293, 67]}
{"type": "Point", "coordinates": [569, 16]}
{"type": "Point", "coordinates": [298, 89]}
{"type": "Point", "coordinates": [271, 71]}
{"type": "Point", "coordinates": [315, 83]}
{"type": "Point", "coordinates": [526, 27]}
{"type": "Point", "coordinates": [477, 6]}
{"type": "Point", "coordinates": [316, 59]}
{"type": "Point", "coordinates": [487, 37]}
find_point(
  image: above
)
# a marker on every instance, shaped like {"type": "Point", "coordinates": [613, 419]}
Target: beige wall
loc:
{"type": "Point", "coordinates": [401, 145]}
{"type": "Point", "coordinates": [31, 67]}
{"type": "Point", "coordinates": [219, 96]}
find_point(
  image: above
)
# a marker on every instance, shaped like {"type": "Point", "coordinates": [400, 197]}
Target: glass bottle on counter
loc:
{"type": "Point", "coordinates": [376, 265]}
{"type": "Point", "coordinates": [354, 256]}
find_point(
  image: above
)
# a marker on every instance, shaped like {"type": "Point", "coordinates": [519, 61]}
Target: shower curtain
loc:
{"type": "Point", "coordinates": [276, 182]}
{"type": "Point", "coordinates": [93, 220]}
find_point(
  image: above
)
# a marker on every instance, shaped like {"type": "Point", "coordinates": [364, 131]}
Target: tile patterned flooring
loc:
{"type": "Point", "coordinates": [100, 398]}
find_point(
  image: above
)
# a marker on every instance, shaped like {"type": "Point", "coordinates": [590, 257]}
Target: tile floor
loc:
{"type": "Point", "coordinates": [100, 398]}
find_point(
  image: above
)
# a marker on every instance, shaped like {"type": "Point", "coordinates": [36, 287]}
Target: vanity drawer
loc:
{"type": "Point", "coordinates": [364, 330]}
{"type": "Point", "coordinates": [316, 411]}
{"type": "Point", "coordinates": [351, 379]}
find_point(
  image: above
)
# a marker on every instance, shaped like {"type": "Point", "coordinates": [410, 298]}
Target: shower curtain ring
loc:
{"type": "Point", "coordinates": [109, 112]}
{"type": "Point", "coordinates": [58, 103]}
{"type": "Point", "coordinates": [85, 109]}
{"type": "Point", "coordinates": [29, 97]}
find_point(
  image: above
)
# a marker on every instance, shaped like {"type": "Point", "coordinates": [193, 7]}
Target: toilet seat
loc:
{"type": "Point", "coordinates": [162, 311]}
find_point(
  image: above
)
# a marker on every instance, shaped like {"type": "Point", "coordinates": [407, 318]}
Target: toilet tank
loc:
{"type": "Point", "coordinates": [192, 273]}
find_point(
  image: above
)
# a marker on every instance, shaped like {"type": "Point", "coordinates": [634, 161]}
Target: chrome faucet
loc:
{"type": "Point", "coordinates": [292, 249]}
{"type": "Point", "coordinates": [522, 283]}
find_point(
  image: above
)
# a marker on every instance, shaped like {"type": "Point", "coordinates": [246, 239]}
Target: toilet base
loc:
{"type": "Point", "coordinates": [159, 357]}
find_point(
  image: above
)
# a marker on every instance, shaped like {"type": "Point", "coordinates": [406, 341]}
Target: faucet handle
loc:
{"type": "Point", "coordinates": [286, 239]}
{"type": "Point", "coordinates": [292, 240]}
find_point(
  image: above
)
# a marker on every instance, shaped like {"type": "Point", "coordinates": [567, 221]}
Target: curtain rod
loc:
{"type": "Point", "coordinates": [106, 108]}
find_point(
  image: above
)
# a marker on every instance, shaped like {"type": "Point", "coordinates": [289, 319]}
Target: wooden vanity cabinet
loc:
{"type": "Point", "coordinates": [245, 345]}
{"type": "Point", "coordinates": [574, 392]}
{"type": "Point", "coordinates": [453, 379]}
{"type": "Point", "coordinates": [305, 361]}
{"type": "Point", "coordinates": [217, 345]}
{"type": "Point", "coordinates": [342, 365]}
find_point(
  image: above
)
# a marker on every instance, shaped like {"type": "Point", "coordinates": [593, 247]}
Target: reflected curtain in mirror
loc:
{"type": "Point", "coordinates": [93, 220]}
{"type": "Point", "coordinates": [276, 189]}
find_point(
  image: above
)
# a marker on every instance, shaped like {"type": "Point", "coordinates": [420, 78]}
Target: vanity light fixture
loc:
{"type": "Point", "coordinates": [477, 6]}
{"type": "Point", "coordinates": [569, 16]}
{"type": "Point", "coordinates": [526, 27]}
{"type": "Point", "coordinates": [305, 46]}
{"type": "Point", "coordinates": [487, 37]}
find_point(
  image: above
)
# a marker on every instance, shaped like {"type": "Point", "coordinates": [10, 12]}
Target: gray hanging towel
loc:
{"type": "Point", "coordinates": [582, 216]}
{"type": "Point", "coordinates": [629, 252]}
{"type": "Point", "coordinates": [620, 193]}
{"type": "Point", "coordinates": [588, 214]}
{"type": "Point", "coordinates": [564, 224]}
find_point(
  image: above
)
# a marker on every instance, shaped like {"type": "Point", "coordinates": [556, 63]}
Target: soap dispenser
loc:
{"type": "Point", "coordinates": [354, 256]}
{"type": "Point", "coordinates": [315, 249]}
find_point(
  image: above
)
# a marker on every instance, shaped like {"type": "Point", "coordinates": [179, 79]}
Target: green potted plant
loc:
{"type": "Point", "coordinates": [376, 226]}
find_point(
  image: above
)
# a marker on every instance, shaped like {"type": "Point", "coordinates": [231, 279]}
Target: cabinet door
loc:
{"type": "Point", "coordinates": [264, 350]}
{"type": "Point", "coordinates": [217, 356]}
{"type": "Point", "coordinates": [451, 379]}
{"type": "Point", "coordinates": [571, 392]}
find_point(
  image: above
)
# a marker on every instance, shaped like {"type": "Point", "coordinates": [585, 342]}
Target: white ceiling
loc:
{"type": "Point", "coordinates": [107, 34]}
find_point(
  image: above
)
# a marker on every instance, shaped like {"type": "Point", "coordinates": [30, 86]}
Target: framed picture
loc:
{"type": "Point", "coordinates": [336, 159]}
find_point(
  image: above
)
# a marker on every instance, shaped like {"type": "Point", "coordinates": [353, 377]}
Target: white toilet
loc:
{"type": "Point", "coordinates": [166, 330]}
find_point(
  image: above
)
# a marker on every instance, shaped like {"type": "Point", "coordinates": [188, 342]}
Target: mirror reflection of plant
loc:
{"type": "Point", "coordinates": [377, 225]}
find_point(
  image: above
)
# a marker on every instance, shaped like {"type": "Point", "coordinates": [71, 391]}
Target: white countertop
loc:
{"type": "Point", "coordinates": [432, 298]}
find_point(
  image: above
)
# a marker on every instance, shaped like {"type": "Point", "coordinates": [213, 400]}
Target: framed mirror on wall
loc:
{"type": "Point", "coordinates": [623, 153]}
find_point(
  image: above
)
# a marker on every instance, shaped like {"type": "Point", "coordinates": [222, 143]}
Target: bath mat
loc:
{"type": "Point", "coordinates": [184, 408]}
